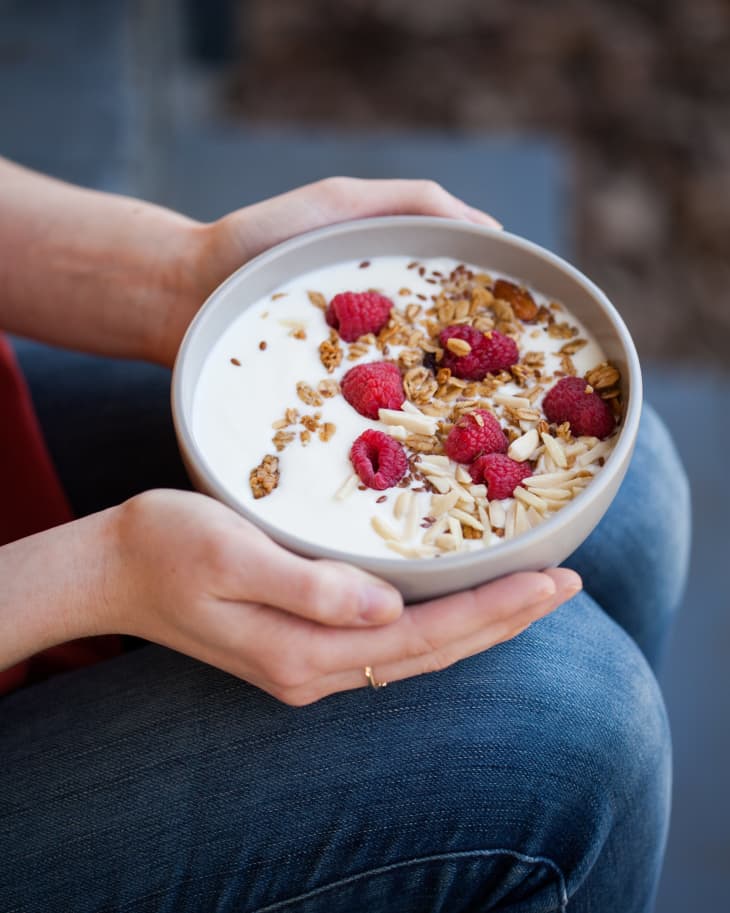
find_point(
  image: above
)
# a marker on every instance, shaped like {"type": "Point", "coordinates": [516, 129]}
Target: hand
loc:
{"type": "Point", "coordinates": [193, 575]}
{"type": "Point", "coordinates": [222, 246]}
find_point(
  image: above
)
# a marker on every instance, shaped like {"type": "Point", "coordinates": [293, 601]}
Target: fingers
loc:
{"type": "Point", "coordinates": [258, 227]}
{"type": "Point", "coordinates": [567, 585]}
{"type": "Point", "coordinates": [300, 661]}
{"type": "Point", "coordinates": [476, 643]}
{"type": "Point", "coordinates": [327, 592]}
{"type": "Point", "coordinates": [353, 198]}
{"type": "Point", "coordinates": [431, 626]}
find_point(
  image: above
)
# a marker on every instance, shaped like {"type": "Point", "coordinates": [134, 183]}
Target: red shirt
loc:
{"type": "Point", "coordinates": [31, 500]}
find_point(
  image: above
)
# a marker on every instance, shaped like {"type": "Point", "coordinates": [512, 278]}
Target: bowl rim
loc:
{"type": "Point", "coordinates": [553, 525]}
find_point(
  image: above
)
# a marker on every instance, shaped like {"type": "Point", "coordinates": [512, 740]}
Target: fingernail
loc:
{"type": "Point", "coordinates": [379, 604]}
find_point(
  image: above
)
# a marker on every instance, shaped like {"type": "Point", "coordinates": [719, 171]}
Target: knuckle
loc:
{"type": "Point", "coordinates": [337, 188]}
{"type": "Point", "coordinates": [432, 190]}
{"type": "Point", "coordinates": [435, 661]}
{"type": "Point", "coordinates": [418, 643]}
{"type": "Point", "coordinates": [313, 593]}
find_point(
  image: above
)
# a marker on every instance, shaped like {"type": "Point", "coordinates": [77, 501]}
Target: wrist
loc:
{"type": "Point", "coordinates": [201, 257]}
{"type": "Point", "coordinates": [59, 585]}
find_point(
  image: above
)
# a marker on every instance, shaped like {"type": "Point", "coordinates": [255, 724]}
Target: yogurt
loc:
{"type": "Point", "coordinates": [270, 388]}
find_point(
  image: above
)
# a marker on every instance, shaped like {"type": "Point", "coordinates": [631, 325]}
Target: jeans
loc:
{"type": "Point", "coordinates": [534, 777]}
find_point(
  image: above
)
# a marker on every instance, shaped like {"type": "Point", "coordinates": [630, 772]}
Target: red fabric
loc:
{"type": "Point", "coordinates": [31, 500]}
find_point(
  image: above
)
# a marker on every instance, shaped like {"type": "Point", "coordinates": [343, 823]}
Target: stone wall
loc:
{"type": "Point", "coordinates": [640, 90]}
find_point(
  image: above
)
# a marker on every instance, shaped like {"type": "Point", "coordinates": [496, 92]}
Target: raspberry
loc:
{"type": "Point", "coordinates": [587, 413]}
{"type": "Point", "coordinates": [374, 386]}
{"type": "Point", "coordinates": [490, 352]}
{"type": "Point", "coordinates": [353, 314]}
{"type": "Point", "coordinates": [501, 474]}
{"type": "Point", "coordinates": [380, 461]}
{"type": "Point", "coordinates": [475, 433]}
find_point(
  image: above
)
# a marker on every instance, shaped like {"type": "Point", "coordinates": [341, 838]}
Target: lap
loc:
{"type": "Point", "coordinates": [174, 786]}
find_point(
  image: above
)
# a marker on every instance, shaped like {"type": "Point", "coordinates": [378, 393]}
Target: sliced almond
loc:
{"type": "Point", "coordinates": [521, 524]}
{"type": "Point", "coordinates": [441, 504]}
{"type": "Point", "coordinates": [440, 483]}
{"type": "Point", "coordinates": [554, 449]}
{"type": "Point", "coordinates": [439, 460]}
{"type": "Point", "coordinates": [398, 432]}
{"type": "Point", "coordinates": [435, 530]}
{"type": "Point", "coordinates": [484, 520]}
{"type": "Point", "coordinates": [412, 551]}
{"type": "Point", "coordinates": [523, 447]}
{"type": "Point", "coordinates": [410, 408]}
{"type": "Point", "coordinates": [497, 516]}
{"type": "Point", "coordinates": [590, 456]}
{"type": "Point", "coordinates": [533, 517]}
{"type": "Point", "coordinates": [509, 523]}
{"type": "Point", "coordinates": [402, 503]}
{"type": "Point", "coordinates": [545, 480]}
{"type": "Point", "coordinates": [418, 424]}
{"type": "Point", "coordinates": [529, 499]}
{"type": "Point", "coordinates": [557, 494]}
{"type": "Point", "coordinates": [462, 475]}
{"type": "Point", "coordinates": [465, 496]}
{"type": "Point", "coordinates": [447, 542]}
{"type": "Point", "coordinates": [463, 517]}
{"type": "Point", "coordinates": [411, 524]}
{"type": "Point", "coordinates": [516, 402]}
{"type": "Point", "coordinates": [478, 491]}
{"type": "Point", "coordinates": [455, 530]}
{"type": "Point", "coordinates": [383, 529]}
{"type": "Point", "coordinates": [428, 467]}
{"type": "Point", "coordinates": [347, 487]}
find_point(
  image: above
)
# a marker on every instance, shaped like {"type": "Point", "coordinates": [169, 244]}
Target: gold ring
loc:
{"type": "Point", "coordinates": [371, 678]}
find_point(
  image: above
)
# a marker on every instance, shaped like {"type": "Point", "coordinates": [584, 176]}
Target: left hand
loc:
{"type": "Point", "coordinates": [221, 247]}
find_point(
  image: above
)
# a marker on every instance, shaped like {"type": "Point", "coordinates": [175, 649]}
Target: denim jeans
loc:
{"type": "Point", "coordinates": [534, 777]}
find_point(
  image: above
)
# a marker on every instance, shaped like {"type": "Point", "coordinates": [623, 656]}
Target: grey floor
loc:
{"type": "Point", "coordinates": [88, 91]}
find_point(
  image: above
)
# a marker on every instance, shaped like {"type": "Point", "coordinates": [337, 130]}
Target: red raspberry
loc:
{"type": "Point", "coordinates": [587, 413]}
{"type": "Point", "coordinates": [501, 474]}
{"type": "Point", "coordinates": [475, 433]}
{"type": "Point", "coordinates": [374, 386]}
{"type": "Point", "coordinates": [380, 461]}
{"type": "Point", "coordinates": [490, 352]}
{"type": "Point", "coordinates": [353, 314]}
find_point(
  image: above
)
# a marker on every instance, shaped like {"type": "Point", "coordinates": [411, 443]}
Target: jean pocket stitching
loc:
{"type": "Point", "coordinates": [562, 899]}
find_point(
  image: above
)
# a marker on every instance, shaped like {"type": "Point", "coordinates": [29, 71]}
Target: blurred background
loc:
{"type": "Point", "coordinates": [598, 128]}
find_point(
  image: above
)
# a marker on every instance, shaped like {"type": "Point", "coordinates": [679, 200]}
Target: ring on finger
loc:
{"type": "Point", "coordinates": [372, 680]}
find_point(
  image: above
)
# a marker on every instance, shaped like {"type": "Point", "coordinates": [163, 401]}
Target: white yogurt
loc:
{"type": "Point", "coordinates": [235, 405]}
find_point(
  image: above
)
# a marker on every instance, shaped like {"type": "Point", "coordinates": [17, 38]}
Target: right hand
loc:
{"type": "Point", "coordinates": [191, 574]}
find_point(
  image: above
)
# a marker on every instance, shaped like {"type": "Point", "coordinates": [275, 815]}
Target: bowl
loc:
{"type": "Point", "coordinates": [545, 545]}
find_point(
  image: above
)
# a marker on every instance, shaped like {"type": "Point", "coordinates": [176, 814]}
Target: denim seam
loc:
{"type": "Point", "coordinates": [441, 857]}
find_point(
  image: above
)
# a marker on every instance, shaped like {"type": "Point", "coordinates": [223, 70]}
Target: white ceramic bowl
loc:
{"type": "Point", "coordinates": [419, 237]}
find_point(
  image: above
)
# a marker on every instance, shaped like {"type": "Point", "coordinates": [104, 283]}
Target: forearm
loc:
{"type": "Point", "coordinates": [56, 586]}
{"type": "Point", "coordinates": [94, 271]}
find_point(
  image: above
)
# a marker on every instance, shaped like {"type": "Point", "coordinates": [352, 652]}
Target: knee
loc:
{"type": "Point", "coordinates": [603, 753]}
{"type": "Point", "coordinates": [574, 741]}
